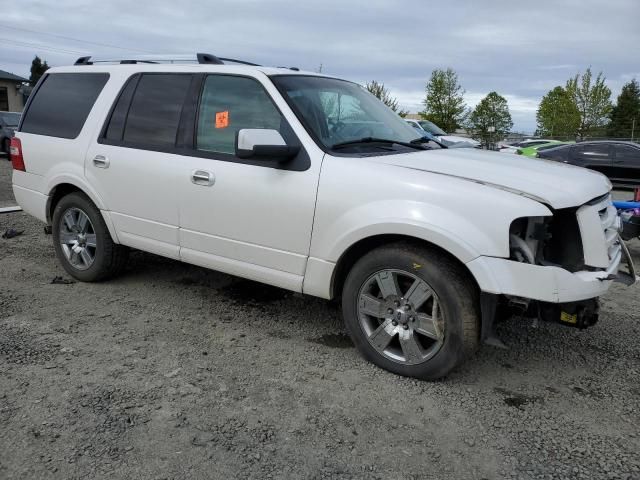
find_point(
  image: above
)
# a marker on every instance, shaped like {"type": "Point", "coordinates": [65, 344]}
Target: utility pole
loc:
{"type": "Point", "coordinates": [633, 127]}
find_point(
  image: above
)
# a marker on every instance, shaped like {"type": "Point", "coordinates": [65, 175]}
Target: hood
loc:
{"type": "Point", "coordinates": [556, 184]}
{"type": "Point", "coordinates": [457, 139]}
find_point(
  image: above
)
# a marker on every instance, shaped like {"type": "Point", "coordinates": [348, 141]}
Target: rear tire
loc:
{"type": "Point", "coordinates": [411, 310]}
{"type": "Point", "coordinates": [82, 241]}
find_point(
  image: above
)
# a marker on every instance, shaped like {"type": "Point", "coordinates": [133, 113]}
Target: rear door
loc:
{"type": "Point", "coordinates": [251, 218]}
{"type": "Point", "coordinates": [596, 156]}
{"type": "Point", "coordinates": [134, 163]}
{"type": "Point", "coordinates": [626, 164]}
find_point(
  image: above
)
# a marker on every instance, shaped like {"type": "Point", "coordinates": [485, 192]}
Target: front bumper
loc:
{"type": "Point", "coordinates": [549, 283]}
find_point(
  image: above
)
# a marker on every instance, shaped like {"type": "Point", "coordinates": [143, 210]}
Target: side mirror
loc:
{"type": "Point", "coordinates": [263, 144]}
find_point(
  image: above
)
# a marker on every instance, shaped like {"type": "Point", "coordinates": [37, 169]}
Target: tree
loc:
{"type": "Point", "coordinates": [557, 115]}
{"type": "Point", "coordinates": [37, 70]}
{"type": "Point", "coordinates": [625, 116]}
{"type": "Point", "coordinates": [593, 100]}
{"type": "Point", "coordinates": [444, 103]}
{"type": "Point", "coordinates": [490, 121]}
{"type": "Point", "coordinates": [380, 91]}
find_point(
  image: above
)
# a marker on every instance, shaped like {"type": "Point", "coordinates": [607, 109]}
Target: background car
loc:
{"type": "Point", "coordinates": [618, 160]}
{"type": "Point", "coordinates": [8, 123]}
{"type": "Point", "coordinates": [513, 147]}
{"type": "Point", "coordinates": [433, 129]}
{"type": "Point", "coordinates": [531, 151]}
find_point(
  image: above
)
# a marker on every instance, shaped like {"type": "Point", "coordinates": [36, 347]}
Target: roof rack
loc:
{"type": "Point", "coordinates": [202, 58]}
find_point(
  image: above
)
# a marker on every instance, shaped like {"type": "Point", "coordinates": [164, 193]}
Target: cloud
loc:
{"type": "Point", "coordinates": [518, 49]}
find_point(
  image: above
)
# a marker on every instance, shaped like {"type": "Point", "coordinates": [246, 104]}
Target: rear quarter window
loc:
{"type": "Point", "coordinates": [62, 104]}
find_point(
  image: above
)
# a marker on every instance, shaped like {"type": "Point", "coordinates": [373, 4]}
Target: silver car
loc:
{"type": "Point", "coordinates": [8, 123]}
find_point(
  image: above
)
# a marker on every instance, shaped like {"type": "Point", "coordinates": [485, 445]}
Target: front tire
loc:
{"type": "Point", "coordinates": [82, 241]}
{"type": "Point", "coordinates": [411, 310]}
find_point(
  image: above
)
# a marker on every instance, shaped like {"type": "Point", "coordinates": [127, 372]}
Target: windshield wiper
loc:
{"type": "Point", "coordinates": [416, 146]}
{"type": "Point", "coordinates": [429, 138]}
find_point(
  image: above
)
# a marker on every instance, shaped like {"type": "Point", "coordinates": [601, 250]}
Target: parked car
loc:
{"type": "Point", "coordinates": [513, 147]}
{"type": "Point", "coordinates": [8, 123]}
{"type": "Point", "coordinates": [531, 151]}
{"type": "Point", "coordinates": [433, 129]}
{"type": "Point", "coordinates": [618, 160]}
{"type": "Point", "coordinates": [254, 171]}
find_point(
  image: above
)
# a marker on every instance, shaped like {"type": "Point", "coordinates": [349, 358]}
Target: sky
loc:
{"type": "Point", "coordinates": [521, 49]}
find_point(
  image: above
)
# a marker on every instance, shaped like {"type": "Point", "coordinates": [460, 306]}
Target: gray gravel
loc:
{"type": "Point", "coordinates": [173, 371]}
{"type": "Point", "coordinates": [6, 195]}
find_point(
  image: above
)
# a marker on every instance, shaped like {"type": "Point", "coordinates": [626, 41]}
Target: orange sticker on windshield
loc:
{"type": "Point", "coordinates": [222, 119]}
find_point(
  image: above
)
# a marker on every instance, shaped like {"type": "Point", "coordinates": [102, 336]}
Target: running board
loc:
{"type": "Point", "coordinates": [10, 209]}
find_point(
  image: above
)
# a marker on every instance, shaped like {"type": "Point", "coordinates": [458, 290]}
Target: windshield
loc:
{"type": "Point", "coordinates": [431, 127]}
{"type": "Point", "coordinates": [10, 119]}
{"type": "Point", "coordinates": [336, 111]}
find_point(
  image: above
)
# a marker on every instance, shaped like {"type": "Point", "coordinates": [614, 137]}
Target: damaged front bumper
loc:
{"type": "Point", "coordinates": [549, 283]}
{"type": "Point", "coordinates": [558, 295]}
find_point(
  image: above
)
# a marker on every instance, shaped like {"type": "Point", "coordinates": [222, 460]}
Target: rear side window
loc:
{"type": "Point", "coordinates": [62, 104]}
{"type": "Point", "coordinates": [154, 114]}
{"type": "Point", "coordinates": [628, 154]}
{"type": "Point", "coordinates": [115, 126]}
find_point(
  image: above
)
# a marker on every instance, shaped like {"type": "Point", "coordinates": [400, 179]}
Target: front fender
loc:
{"type": "Point", "coordinates": [359, 199]}
{"type": "Point", "coordinates": [465, 231]}
{"type": "Point", "coordinates": [380, 218]}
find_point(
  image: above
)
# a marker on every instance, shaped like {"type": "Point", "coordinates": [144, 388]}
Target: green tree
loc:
{"type": "Point", "coordinates": [557, 115]}
{"type": "Point", "coordinates": [490, 121]}
{"type": "Point", "coordinates": [380, 91]}
{"type": "Point", "coordinates": [593, 100]}
{"type": "Point", "coordinates": [38, 67]}
{"type": "Point", "coordinates": [444, 103]}
{"type": "Point", "coordinates": [625, 116]}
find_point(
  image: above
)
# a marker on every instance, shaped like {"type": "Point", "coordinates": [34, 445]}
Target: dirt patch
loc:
{"type": "Point", "coordinates": [334, 340]}
{"type": "Point", "coordinates": [517, 400]}
{"type": "Point", "coordinates": [21, 347]}
{"type": "Point", "coordinates": [253, 293]}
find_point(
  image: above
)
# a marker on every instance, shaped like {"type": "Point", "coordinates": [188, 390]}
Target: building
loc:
{"type": "Point", "coordinates": [11, 92]}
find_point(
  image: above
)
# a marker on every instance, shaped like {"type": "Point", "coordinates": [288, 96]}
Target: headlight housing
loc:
{"type": "Point", "coordinates": [552, 240]}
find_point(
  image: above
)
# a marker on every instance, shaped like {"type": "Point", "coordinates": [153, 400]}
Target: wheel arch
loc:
{"type": "Point", "coordinates": [70, 185]}
{"type": "Point", "coordinates": [360, 248]}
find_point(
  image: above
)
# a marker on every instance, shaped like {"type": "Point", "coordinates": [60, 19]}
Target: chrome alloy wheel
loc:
{"type": "Point", "coordinates": [77, 238]}
{"type": "Point", "coordinates": [401, 317]}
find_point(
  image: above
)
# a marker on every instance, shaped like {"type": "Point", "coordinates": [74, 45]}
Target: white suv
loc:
{"type": "Point", "coordinates": [310, 183]}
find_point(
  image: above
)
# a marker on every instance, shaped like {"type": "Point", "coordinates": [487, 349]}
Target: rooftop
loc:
{"type": "Point", "coordinates": [10, 76]}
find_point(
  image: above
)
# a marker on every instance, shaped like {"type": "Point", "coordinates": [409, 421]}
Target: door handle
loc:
{"type": "Point", "coordinates": [202, 177]}
{"type": "Point", "coordinates": [101, 161]}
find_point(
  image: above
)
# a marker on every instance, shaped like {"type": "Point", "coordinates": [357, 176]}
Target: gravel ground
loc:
{"type": "Point", "coordinates": [6, 195]}
{"type": "Point", "coordinates": [173, 371]}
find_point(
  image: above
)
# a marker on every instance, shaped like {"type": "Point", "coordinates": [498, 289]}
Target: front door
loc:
{"type": "Point", "coordinates": [249, 218]}
{"type": "Point", "coordinates": [596, 156]}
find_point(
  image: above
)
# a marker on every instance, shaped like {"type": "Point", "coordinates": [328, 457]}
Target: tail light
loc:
{"type": "Point", "coordinates": [15, 154]}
